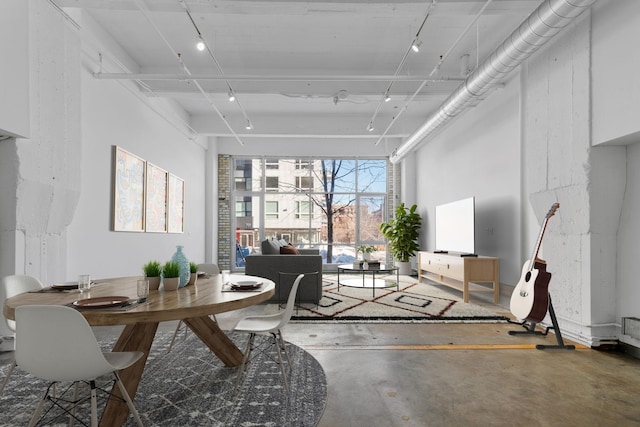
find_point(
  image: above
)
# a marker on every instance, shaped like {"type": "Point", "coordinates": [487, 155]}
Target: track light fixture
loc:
{"type": "Point", "coordinates": [416, 45]}
{"type": "Point", "coordinates": [200, 45]}
{"type": "Point", "coordinates": [370, 127]}
{"type": "Point", "coordinates": [387, 97]}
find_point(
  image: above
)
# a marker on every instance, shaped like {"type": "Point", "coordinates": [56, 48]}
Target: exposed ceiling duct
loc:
{"type": "Point", "coordinates": [544, 23]}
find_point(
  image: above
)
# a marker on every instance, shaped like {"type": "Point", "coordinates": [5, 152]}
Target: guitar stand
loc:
{"type": "Point", "coordinates": [529, 326]}
{"type": "Point", "coordinates": [530, 330]}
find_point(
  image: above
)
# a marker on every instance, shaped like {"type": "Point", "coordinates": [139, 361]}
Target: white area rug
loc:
{"type": "Point", "coordinates": [413, 303]}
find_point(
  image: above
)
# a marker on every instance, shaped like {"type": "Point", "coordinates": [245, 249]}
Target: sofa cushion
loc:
{"type": "Point", "coordinates": [270, 247]}
{"type": "Point", "coordinates": [289, 250]}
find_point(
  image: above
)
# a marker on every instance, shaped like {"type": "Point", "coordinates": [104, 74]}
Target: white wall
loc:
{"type": "Point", "coordinates": [479, 155]}
{"type": "Point", "coordinates": [616, 59]}
{"type": "Point", "coordinates": [112, 115]}
{"type": "Point", "coordinates": [44, 168]}
{"type": "Point", "coordinates": [616, 129]}
{"type": "Point", "coordinates": [14, 39]}
{"type": "Point", "coordinates": [628, 292]}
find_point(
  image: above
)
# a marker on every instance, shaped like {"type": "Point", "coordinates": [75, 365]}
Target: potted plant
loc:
{"type": "Point", "coordinates": [366, 251]}
{"type": "Point", "coordinates": [402, 234]}
{"type": "Point", "coordinates": [170, 275]}
{"type": "Point", "coordinates": [193, 270]}
{"type": "Point", "coordinates": [152, 271]}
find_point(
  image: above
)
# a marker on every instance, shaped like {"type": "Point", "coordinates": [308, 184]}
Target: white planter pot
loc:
{"type": "Point", "coordinates": [170, 283]}
{"type": "Point", "coordinates": [404, 268]}
{"type": "Point", "coordinates": [366, 256]}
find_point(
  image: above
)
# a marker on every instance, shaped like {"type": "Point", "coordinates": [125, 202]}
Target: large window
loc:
{"type": "Point", "coordinates": [333, 205]}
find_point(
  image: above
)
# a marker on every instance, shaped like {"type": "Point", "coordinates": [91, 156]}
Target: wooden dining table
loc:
{"type": "Point", "coordinates": [193, 304]}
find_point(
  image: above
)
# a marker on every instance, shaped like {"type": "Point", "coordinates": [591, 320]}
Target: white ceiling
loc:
{"type": "Point", "coordinates": [298, 68]}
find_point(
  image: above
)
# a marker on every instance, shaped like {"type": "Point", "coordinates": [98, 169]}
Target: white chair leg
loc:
{"type": "Point", "coordinates": [72, 419]}
{"type": "Point", "coordinates": [94, 405]}
{"type": "Point", "coordinates": [127, 398]}
{"type": "Point", "coordinates": [245, 359]}
{"type": "Point", "coordinates": [38, 412]}
{"type": "Point", "coordinates": [175, 334]}
{"type": "Point", "coordinates": [280, 361]}
{"type": "Point", "coordinates": [6, 378]}
{"type": "Point", "coordinates": [284, 347]}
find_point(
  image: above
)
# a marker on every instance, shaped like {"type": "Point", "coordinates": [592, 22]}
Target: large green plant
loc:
{"type": "Point", "coordinates": [402, 232]}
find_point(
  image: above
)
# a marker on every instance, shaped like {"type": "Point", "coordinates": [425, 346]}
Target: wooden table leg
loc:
{"type": "Point", "coordinates": [219, 343]}
{"type": "Point", "coordinates": [138, 337]}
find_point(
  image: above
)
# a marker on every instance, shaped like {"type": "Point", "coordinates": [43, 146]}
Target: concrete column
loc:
{"type": "Point", "coordinates": [41, 185]}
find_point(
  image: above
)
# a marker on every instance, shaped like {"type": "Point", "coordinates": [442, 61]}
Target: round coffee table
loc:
{"type": "Point", "coordinates": [368, 277]}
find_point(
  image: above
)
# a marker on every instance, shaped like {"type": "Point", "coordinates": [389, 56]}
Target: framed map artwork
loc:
{"type": "Point", "coordinates": [156, 199]}
{"type": "Point", "coordinates": [128, 191]}
{"type": "Point", "coordinates": [175, 205]}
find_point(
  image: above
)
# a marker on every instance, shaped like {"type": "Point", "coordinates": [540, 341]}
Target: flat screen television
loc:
{"type": "Point", "coordinates": [455, 227]}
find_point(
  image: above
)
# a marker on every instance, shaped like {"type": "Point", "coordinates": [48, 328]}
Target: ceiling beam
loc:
{"type": "Point", "coordinates": [185, 77]}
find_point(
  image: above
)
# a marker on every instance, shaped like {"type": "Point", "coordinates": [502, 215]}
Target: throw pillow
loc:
{"type": "Point", "coordinates": [270, 247]}
{"type": "Point", "coordinates": [289, 250]}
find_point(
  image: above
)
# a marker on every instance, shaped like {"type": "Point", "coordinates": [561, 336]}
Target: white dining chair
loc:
{"type": "Point", "coordinates": [9, 287]}
{"type": "Point", "coordinates": [210, 270]}
{"type": "Point", "coordinates": [271, 324]}
{"type": "Point", "coordinates": [56, 343]}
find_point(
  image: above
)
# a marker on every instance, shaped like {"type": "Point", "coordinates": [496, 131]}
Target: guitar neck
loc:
{"type": "Point", "coordinates": [536, 249]}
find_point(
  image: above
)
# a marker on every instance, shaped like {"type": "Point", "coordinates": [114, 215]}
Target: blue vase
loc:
{"type": "Point", "coordinates": [183, 262]}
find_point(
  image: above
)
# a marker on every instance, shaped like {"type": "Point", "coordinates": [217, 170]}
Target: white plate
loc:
{"type": "Point", "coordinates": [246, 284]}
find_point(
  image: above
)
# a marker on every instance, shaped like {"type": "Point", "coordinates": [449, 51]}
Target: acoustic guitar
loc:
{"type": "Point", "coordinates": [530, 298]}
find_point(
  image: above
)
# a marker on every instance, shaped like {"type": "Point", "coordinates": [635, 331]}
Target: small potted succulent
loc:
{"type": "Point", "coordinates": [152, 271]}
{"type": "Point", "coordinates": [170, 275]}
{"type": "Point", "coordinates": [193, 269]}
{"type": "Point", "coordinates": [366, 251]}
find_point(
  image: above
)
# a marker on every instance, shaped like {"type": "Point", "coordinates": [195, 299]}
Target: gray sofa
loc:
{"type": "Point", "coordinates": [271, 265]}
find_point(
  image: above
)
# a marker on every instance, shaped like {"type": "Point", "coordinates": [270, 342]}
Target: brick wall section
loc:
{"type": "Point", "coordinates": [225, 244]}
{"type": "Point", "coordinates": [393, 196]}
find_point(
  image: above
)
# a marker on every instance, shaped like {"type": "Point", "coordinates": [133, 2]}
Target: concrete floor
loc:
{"type": "Point", "coordinates": [460, 375]}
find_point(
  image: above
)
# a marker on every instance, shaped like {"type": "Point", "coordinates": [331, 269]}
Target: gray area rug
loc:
{"type": "Point", "coordinates": [414, 302]}
{"type": "Point", "coordinates": [191, 387]}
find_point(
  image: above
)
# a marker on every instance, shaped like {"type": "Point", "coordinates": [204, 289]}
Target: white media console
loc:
{"type": "Point", "coordinates": [461, 272]}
